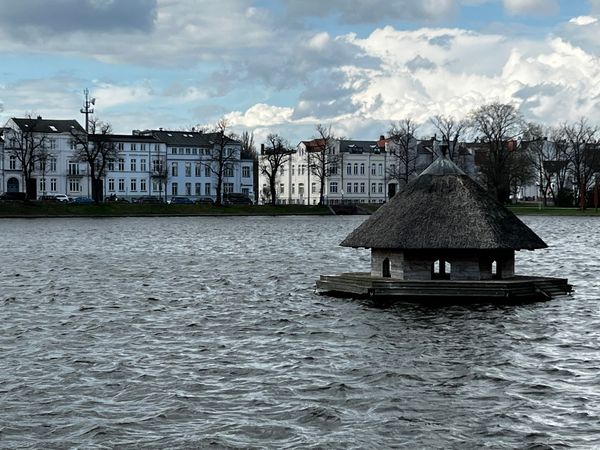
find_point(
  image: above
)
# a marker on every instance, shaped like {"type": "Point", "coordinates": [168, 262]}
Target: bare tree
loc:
{"type": "Point", "coordinates": [498, 127]}
{"type": "Point", "coordinates": [538, 150]}
{"type": "Point", "coordinates": [222, 157]}
{"type": "Point", "coordinates": [583, 155]}
{"type": "Point", "coordinates": [322, 158]}
{"type": "Point", "coordinates": [96, 150]}
{"type": "Point", "coordinates": [28, 145]}
{"type": "Point", "coordinates": [450, 129]}
{"type": "Point", "coordinates": [274, 155]}
{"type": "Point", "coordinates": [403, 149]}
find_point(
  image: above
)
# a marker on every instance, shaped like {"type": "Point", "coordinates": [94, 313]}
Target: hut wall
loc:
{"type": "Point", "coordinates": [396, 259]}
{"type": "Point", "coordinates": [465, 268]}
{"type": "Point", "coordinates": [508, 265]}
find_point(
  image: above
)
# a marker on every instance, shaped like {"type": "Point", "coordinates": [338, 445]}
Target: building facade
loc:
{"type": "Point", "coordinates": [155, 163]}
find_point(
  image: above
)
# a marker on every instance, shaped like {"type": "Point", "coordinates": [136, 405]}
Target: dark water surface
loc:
{"type": "Point", "coordinates": [206, 332]}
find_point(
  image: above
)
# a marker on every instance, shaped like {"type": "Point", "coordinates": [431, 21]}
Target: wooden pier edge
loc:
{"type": "Point", "coordinates": [518, 288]}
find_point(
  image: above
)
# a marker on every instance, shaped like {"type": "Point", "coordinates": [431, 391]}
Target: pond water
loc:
{"type": "Point", "coordinates": [186, 332]}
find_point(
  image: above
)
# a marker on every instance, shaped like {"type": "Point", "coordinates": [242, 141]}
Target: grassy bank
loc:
{"type": "Point", "coordinates": [528, 210]}
{"type": "Point", "coordinates": [39, 209]}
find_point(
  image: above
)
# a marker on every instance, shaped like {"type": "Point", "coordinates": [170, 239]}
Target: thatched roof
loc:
{"type": "Point", "coordinates": [443, 208]}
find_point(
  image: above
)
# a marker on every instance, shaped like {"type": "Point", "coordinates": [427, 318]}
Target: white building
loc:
{"type": "Point", "coordinates": [59, 173]}
{"type": "Point", "coordinates": [356, 171]}
{"type": "Point", "coordinates": [154, 163]}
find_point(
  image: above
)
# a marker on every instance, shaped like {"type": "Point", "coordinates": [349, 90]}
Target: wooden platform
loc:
{"type": "Point", "coordinates": [519, 288]}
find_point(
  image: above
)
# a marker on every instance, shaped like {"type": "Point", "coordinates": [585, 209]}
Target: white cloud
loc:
{"type": "Point", "coordinates": [260, 115]}
{"type": "Point", "coordinates": [531, 7]}
{"type": "Point", "coordinates": [583, 20]}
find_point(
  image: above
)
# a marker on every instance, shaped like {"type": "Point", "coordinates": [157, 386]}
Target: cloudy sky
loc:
{"type": "Point", "coordinates": [285, 65]}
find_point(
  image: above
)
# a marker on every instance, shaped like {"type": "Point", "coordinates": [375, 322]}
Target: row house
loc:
{"type": "Point", "coordinates": [356, 171]}
{"type": "Point", "coordinates": [156, 163]}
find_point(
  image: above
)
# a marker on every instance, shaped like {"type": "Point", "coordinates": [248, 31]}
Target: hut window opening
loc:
{"type": "Point", "coordinates": [441, 270]}
{"type": "Point", "coordinates": [496, 271]}
{"type": "Point", "coordinates": [387, 268]}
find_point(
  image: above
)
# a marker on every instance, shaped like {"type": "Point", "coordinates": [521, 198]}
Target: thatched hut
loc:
{"type": "Point", "coordinates": [442, 227]}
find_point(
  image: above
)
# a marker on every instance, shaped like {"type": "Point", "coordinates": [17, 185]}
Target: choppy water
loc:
{"type": "Point", "coordinates": [206, 332]}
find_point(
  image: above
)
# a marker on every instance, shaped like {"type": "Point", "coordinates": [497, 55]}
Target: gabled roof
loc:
{"type": "Point", "coordinates": [39, 125]}
{"type": "Point", "coordinates": [187, 138]}
{"type": "Point", "coordinates": [122, 138]}
{"type": "Point", "coordinates": [443, 209]}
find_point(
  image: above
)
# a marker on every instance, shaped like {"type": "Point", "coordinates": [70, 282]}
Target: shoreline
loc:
{"type": "Point", "coordinates": [14, 210]}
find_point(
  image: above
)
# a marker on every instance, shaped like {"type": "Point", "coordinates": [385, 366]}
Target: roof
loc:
{"type": "Point", "coordinates": [122, 137]}
{"type": "Point", "coordinates": [443, 208]}
{"type": "Point", "coordinates": [187, 138]}
{"type": "Point", "coordinates": [39, 125]}
{"type": "Point", "coordinates": [347, 146]}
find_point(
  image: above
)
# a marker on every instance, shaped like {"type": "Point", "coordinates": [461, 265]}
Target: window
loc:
{"type": "Point", "coordinates": [313, 188]}
{"type": "Point", "coordinates": [194, 151]}
{"type": "Point", "coordinates": [111, 184]}
{"type": "Point", "coordinates": [246, 192]}
{"type": "Point", "coordinates": [392, 169]}
{"type": "Point", "coordinates": [156, 147]}
{"type": "Point", "coordinates": [143, 147]}
{"type": "Point", "coordinates": [349, 188]}
{"type": "Point", "coordinates": [301, 189]}
{"type": "Point", "coordinates": [52, 143]}
{"type": "Point", "coordinates": [188, 169]}
{"type": "Point", "coordinates": [133, 147]}
{"type": "Point", "coordinates": [206, 188]}
{"type": "Point", "coordinates": [373, 169]}
{"type": "Point", "coordinates": [133, 185]}
{"type": "Point", "coordinates": [121, 185]}
{"type": "Point", "coordinates": [380, 188]}
{"type": "Point", "coordinates": [143, 185]}
{"type": "Point", "coordinates": [362, 168]}
{"type": "Point", "coordinates": [348, 169]}
{"type": "Point", "coordinates": [207, 170]}
{"type": "Point", "coordinates": [174, 151]}
{"type": "Point", "coordinates": [380, 169]}
{"type": "Point", "coordinates": [121, 164]}
{"type": "Point", "coordinates": [174, 188]}
{"type": "Point", "coordinates": [355, 168]}
{"type": "Point", "coordinates": [43, 184]}
{"type": "Point", "coordinates": [12, 165]}
{"type": "Point", "coordinates": [355, 187]}
{"type": "Point", "coordinates": [228, 172]}
{"type": "Point", "coordinates": [227, 188]}
{"type": "Point", "coordinates": [188, 188]}
{"type": "Point", "coordinates": [282, 188]}
{"type": "Point", "coordinates": [74, 185]}
{"type": "Point", "coordinates": [246, 172]}
{"type": "Point", "coordinates": [198, 189]}
{"type": "Point", "coordinates": [303, 169]}
{"type": "Point", "coordinates": [188, 151]}
{"type": "Point", "coordinates": [143, 165]}
{"type": "Point", "coordinates": [52, 184]}
{"type": "Point", "coordinates": [198, 170]}
{"type": "Point", "coordinates": [133, 165]}
{"type": "Point", "coordinates": [333, 169]}
{"type": "Point", "coordinates": [157, 165]}
{"type": "Point", "coordinates": [373, 188]}
{"type": "Point", "coordinates": [293, 188]}
{"type": "Point", "coordinates": [333, 187]}
{"type": "Point", "coordinates": [73, 168]}
{"type": "Point", "coordinates": [120, 146]}
{"type": "Point", "coordinates": [111, 165]}
{"type": "Point", "coordinates": [362, 188]}
{"type": "Point", "coordinates": [174, 170]}
{"type": "Point", "coordinates": [52, 165]}
{"type": "Point", "coordinates": [293, 169]}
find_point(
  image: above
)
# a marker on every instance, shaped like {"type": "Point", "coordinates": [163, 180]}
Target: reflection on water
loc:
{"type": "Point", "coordinates": [181, 332]}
